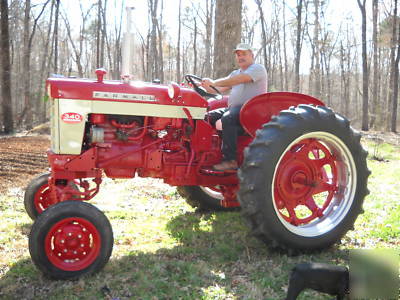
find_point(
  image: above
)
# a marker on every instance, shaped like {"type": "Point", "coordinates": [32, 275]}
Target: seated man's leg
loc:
{"type": "Point", "coordinates": [230, 128]}
{"type": "Point", "coordinates": [214, 115]}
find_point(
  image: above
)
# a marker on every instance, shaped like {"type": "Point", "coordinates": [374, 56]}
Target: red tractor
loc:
{"type": "Point", "coordinates": [301, 183]}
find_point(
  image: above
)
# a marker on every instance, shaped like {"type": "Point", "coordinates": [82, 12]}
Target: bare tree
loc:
{"type": "Point", "coordinates": [55, 36]}
{"type": "Point", "coordinates": [298, 46]}
{"type": "Point", "coordinates": [375, 61]}
{"type": "Point", "coordinates": [6, 103]}
{"type": "Point", "coordinates": [159, 25]}
{"type": "Point", "coordinates": [263, 31]}
{"type": "Point", "coordinates": [365, 125]}
{"type": "Point", "coordinates": [394, 73]}
{"type": "Point", "coordinates": [28, 39]}
{"type": "Point", "coordinates": [78, 49]}
{"type": "Point", "coordinates": [228, 22]}
{"type": "Point", "coordinates": [316, 47]}
{"type": "Point", "coordinates": [178, 46]}
{"type": "Point", "coordinates": [207, 40]}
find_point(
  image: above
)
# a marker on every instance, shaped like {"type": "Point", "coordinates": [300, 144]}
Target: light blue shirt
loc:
{"type": "Point", "coordinates": [243, 92]}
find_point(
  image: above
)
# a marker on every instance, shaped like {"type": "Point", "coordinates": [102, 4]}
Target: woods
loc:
{"type": "Point", "coordinates": [348, 59]}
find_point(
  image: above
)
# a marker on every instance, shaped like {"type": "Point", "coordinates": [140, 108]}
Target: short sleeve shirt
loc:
{"type": "Point", "coordinates": [243, 92]}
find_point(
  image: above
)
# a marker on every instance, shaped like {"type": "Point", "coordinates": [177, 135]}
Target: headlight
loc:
{"type": "Point", "coordinates": [173, 90]}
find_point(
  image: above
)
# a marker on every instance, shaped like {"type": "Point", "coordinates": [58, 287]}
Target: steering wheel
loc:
{"type": "Point", "coordinates": [193, 79]}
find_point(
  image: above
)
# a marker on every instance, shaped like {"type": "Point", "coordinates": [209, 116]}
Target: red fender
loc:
{"type": "Point", "coordinates": [259, 110]}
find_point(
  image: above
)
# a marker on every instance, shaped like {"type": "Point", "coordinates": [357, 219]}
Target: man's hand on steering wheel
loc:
{"type": "Point", "coordinates": [197, 83]}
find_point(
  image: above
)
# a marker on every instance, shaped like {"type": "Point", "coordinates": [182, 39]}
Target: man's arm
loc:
{"type": "Point", "coordinates": [224, 84]}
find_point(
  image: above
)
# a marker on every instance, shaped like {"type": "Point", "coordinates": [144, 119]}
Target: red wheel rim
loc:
{"type": "Point", "coordinates": [72, 244]}
{"type": "Point", "coordinates": [306, 181]}
{"type": "Point", "coordinates": [43, 199]}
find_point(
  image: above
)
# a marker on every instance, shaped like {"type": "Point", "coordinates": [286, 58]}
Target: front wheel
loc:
{"type": "Point", "coordinates": [203, 198]}
{"type": "Point", "coordinates": [70, 239]}
{"type": "Point", "coordinates": [38, 196]}
{"type": "Point", "coordinates": [304, 179]}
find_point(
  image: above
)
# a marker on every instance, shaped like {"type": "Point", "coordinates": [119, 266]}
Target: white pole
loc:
{"type": "Point", "coordinates": [127, 44]}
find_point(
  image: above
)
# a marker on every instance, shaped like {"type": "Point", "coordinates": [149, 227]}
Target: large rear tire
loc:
{"type": "Point", "coordinates": [203, 198]}
{"type": "Point", "coordinates": [70, 239]}
{"type": "Point", "coordinates": [303, 179]}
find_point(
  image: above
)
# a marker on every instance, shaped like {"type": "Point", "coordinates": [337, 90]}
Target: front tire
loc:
{"type": "Point", "coordinates": [70, 239]}
{"type": "Point", "coordinates": [304, 179]}
{"type": "Point", "coordinates": [203, 198]}
{"type": "Point", "coordinates": [38, 197]}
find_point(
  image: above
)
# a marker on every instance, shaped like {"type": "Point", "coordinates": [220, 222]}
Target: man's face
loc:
{"type": "Point", "coordinates": [244, 58]}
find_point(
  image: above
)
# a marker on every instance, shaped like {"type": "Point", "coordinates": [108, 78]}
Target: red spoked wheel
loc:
{"type": "Point", "coordinates": [42, 198]}
{"type": "Point", "coordinates": [72, 244]}
{"type": "Point", "coordinates": [38, 196]}
{"type": "Point", "coordinates": [314, 184]}
{"type": "Point", "coordinates": [304, 179]}
{"type": "Point", "coordinates": [70, 239]}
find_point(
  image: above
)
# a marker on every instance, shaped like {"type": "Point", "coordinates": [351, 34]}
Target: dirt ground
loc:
{"type": "Point", "coordinates": [21, 158]}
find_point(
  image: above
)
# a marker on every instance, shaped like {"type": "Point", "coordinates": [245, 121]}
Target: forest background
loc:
{"type": "Point", "coordinates": [344, 52]}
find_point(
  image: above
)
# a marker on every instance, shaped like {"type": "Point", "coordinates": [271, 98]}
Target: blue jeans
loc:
{"type": "Point", "coordinates": [231, 128]}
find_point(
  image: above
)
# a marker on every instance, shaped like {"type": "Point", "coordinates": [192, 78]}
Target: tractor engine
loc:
{"type": "Point", "coordinates": [126, 144]}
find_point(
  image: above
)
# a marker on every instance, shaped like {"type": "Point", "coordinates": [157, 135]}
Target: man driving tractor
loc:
{"type": "Point", "coordinates": [248, 81]}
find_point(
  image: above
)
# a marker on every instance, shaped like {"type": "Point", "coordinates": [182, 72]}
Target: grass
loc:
{"type": "Point", "coordinates": [165, 250]}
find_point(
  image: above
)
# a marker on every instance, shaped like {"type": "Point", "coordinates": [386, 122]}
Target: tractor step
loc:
{"type": "Point", "coordinates": [212, 172]}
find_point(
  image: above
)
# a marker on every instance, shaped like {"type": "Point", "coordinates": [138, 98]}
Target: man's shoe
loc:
{"type": "Point", "coordinates": [226, 165]}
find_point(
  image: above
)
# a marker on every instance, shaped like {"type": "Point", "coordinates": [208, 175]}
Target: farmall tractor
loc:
{"type": "Point", "coordinates": [300, 186]}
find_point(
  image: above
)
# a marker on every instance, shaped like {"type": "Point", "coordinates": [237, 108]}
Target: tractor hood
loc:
{"type": "Point", "coordinates": [118, 91]}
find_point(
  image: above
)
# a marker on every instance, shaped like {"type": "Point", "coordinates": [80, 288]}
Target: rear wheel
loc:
{"type": "Point", "coordinates": [203, 198]}
{"type": "Point", "coordinates": [38, 197]}
{"type": "Point", "coordinates": [304, 179]}
{"type": "Point", "coordinates": [70, 239]}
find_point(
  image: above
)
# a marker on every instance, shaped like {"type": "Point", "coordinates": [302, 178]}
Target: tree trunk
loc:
{"type": "Point", "coordinates": [298, 47]}
{"type": "Point", "coordinates": [6, 103]}
{"type": "Point", "coordinates": [263, 33]}
{"type": "Point", "coordinates": [44, 68]}
{"type": "Point", "coordinates": [365, 125]}
{"type": "Point", "coordinates": [56, 36]}
{"type": "Point", "coordinates": [160, 44]}
{"type": "Point", "coordinates": [207, 41]}
{"type": "Point", "coordinates": [26, 73]}
{"type": "Point", "coordinates": [395, 69]}
{"type": "Point", "coordinates": [178, 47]}
{"type": "Point", "coordinates": [228, 23]}
{"type": "Point", "coordinates": [154, 67]}
{"type": "Point", "coordinates": [316, 41]}
{"type": "Point", "coordinates": [375, 59]}
{"type": "Point", "coordinates": [195, 46]}
{"type": "Point", "coordinates": [285, 57]}
{"type": "Point", "coordinates": [98, 34]}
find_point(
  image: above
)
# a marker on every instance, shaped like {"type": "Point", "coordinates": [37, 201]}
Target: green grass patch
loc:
{"type": "Point", "coordinates": [165, 250]}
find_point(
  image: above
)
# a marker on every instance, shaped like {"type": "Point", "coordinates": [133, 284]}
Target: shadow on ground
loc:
{"type": "Point", "coordinates": [213, 258]}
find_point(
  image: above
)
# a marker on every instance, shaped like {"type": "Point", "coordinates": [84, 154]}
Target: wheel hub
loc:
{"type": "Point", "coordinates": [301, 176]}
{"type": "Point", "coordinates": [72, 244]}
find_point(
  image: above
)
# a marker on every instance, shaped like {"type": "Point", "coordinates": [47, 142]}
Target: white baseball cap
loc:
{"type": "Point", "coordinates": [243, 47]}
